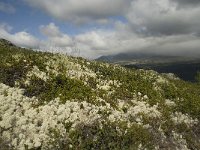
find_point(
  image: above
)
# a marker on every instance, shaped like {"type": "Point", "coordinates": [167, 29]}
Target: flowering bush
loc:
{"type": "Point", "coordinates": [53, 101]}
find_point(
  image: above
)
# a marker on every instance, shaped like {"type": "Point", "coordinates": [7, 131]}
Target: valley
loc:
{"type": "Point", "coordinates": [183, 67]}
{"type": "Point", "coordinates": [184, 70]}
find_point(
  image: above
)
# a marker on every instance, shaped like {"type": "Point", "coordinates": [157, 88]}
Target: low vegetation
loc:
{"type": "Point", "coordinates": [54, 101]}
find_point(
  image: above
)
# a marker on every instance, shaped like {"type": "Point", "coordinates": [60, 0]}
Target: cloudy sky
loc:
{"type": "Point", "coordinates": [91, 28]}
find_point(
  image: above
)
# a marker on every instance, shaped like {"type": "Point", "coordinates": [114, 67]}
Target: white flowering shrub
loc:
{"type": "Point", "coordinates": [53, 101]}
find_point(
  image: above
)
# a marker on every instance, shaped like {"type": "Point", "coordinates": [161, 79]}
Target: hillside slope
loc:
{"type": "Point", "coordinates": [53, 101]}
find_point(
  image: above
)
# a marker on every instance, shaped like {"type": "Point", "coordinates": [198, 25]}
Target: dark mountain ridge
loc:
{"type": "Point", "coordinates": [182, 66]}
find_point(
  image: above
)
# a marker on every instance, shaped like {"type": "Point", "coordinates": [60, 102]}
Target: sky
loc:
{"type": "Point", "coordinates": [92, 28]}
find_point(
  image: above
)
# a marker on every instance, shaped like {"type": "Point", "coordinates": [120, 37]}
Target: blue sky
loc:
{"type": "Point", "coordinates": [29, 19]}
{"type": "Point", "coordinates": [99, 27]}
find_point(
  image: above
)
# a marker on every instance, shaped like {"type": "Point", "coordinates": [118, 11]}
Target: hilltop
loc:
{"type": "Point", "coordinates": [6, 43]}
{"type": "Point", "coordinates": [55, 101]}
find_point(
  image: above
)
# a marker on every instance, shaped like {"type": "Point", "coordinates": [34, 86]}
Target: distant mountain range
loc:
{"type": "Point", "coordinates": [182, 66]}
{"type": "Point", "coordinates": [145, 58]}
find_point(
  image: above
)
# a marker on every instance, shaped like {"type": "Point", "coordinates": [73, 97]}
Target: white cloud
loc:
{"type": "Point", "coordinates": [22, 38]}
{"type": "Point", "coordinates": [97, 42]}
{"type": "Point", "coordinates": [55, 36]}
{"type": "Point", "coordinates": [163, 17]}
{"type": "Point", "coordinates": [94, 39]}
{"type": "Point", "coordinates": [103, 42]}
{"type": "Point", "coordinates": [6, 8]}
{"type": "Point", "coordinates": [50, 30]}
{"type": "Point", "coordinates": [161, 26]}
{"type": "Point", "coordinates": [91, 43]}
{"type": "Point", "coordinates": [6, 27]}
{"type": "Point", "coordinates": [81, 11]}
